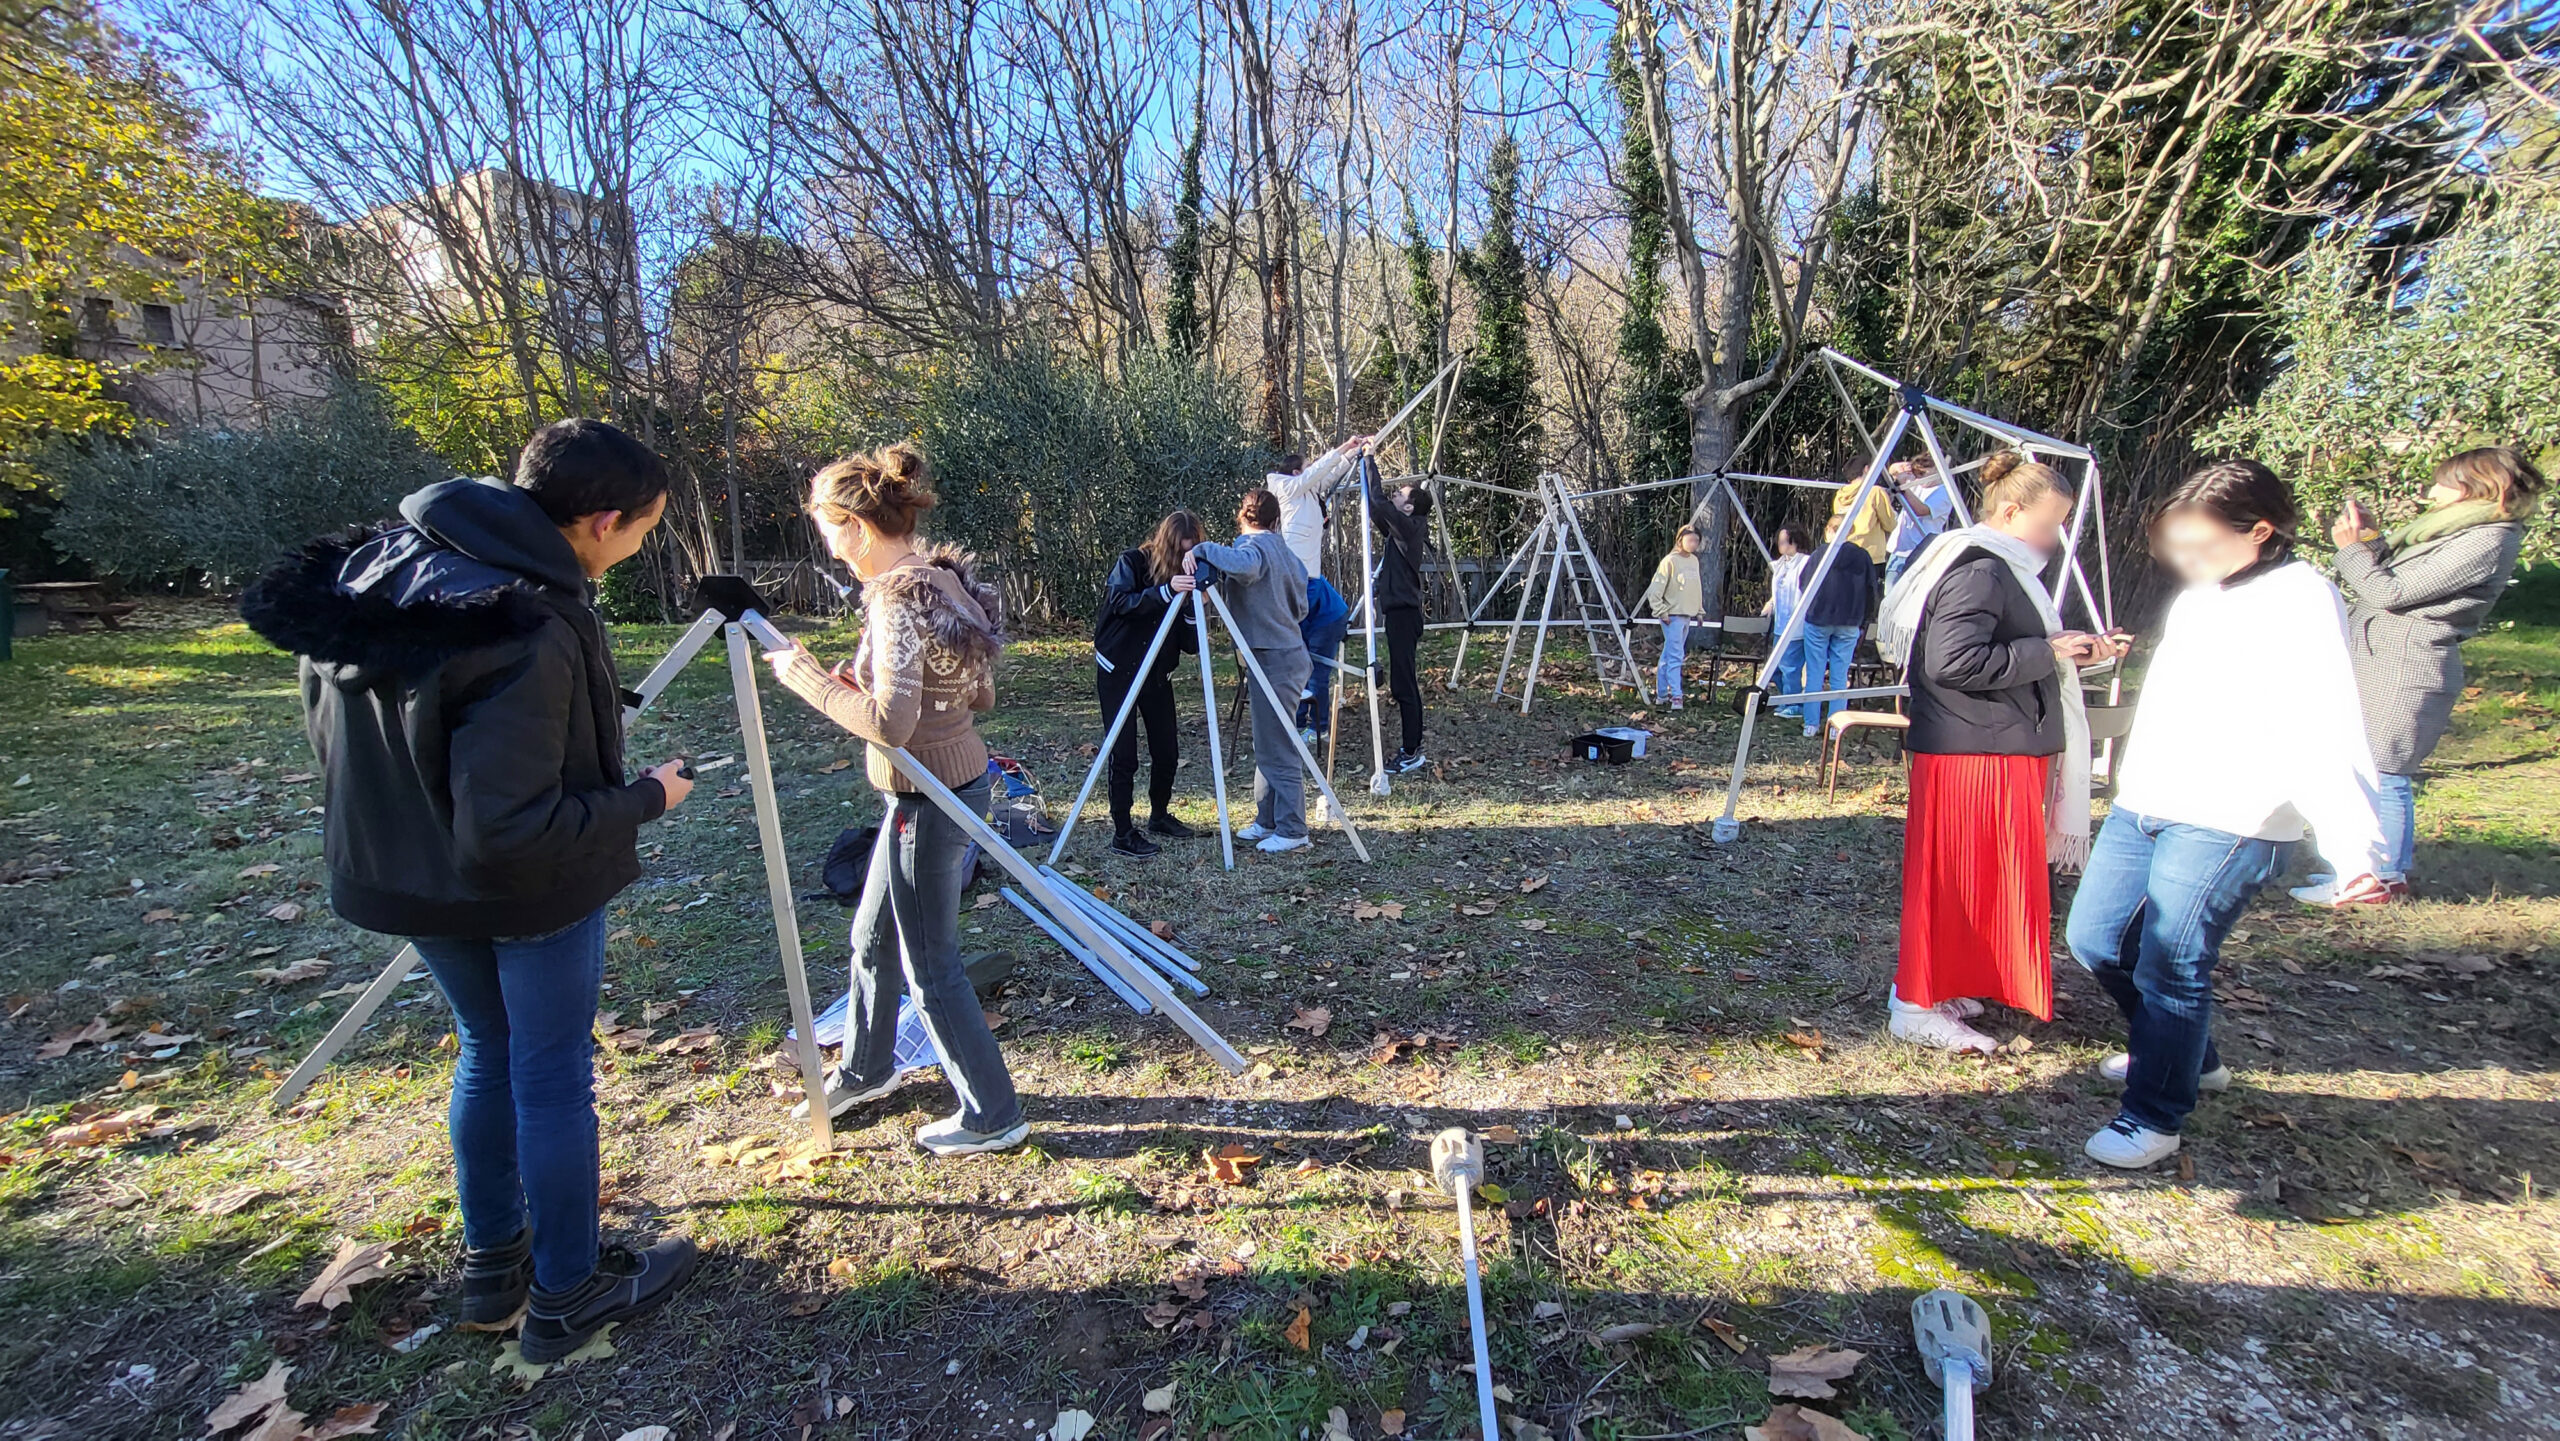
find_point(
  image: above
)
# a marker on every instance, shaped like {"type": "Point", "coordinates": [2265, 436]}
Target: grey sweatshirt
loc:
{"type": "Point", "coordinates": [1264, 585]}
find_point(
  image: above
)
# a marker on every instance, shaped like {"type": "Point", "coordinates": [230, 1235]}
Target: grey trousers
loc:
{"type": "Point", "coordinates": [906, 935]}
{"type": "Point", "coordinates": [1280, 786]}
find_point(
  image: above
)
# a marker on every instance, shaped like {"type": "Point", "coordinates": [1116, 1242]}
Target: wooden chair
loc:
{"type": "Point", "coordinates": [1835, 738]}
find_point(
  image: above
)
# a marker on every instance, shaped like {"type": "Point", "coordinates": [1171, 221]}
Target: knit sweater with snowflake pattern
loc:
{"type": "Point", "coordinates": [925, 668]}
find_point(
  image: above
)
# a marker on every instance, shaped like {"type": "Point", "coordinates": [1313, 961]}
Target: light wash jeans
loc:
{"type": "Point", "coordinates": [1790, 679]}
{"type": "Point", "coordinates": [523, 1112]}
{"type": "Point", "coordinates": [1675, 653]}
{"type": "Point", "coordinates": [1827, 650]}
{"type": "Point", "coordinates": [2149, 920]}
{"type": "Point", "coordinates": [2396, 805]}
{"type": "Point", "coordinates": [906, 936]}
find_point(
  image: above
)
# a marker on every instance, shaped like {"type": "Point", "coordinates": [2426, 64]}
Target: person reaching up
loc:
{"type": "Point", "coordinates": [1301, 491]}
{"type": "Point", "coordinates": [1266, 591]}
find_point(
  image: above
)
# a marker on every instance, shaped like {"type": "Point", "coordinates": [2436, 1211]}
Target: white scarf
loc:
{"type": "Point", "coordinates": [2066, 812]}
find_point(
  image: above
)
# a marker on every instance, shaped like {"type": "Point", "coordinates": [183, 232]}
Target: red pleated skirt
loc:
{"type": "Point", "coordinates": [1977, 901]}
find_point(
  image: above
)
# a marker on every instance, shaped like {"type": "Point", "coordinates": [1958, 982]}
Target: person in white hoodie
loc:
{"type": "Point", "coordinates": [2248, 728]}
{"type": "Point", "coordinates": [1301, 490]}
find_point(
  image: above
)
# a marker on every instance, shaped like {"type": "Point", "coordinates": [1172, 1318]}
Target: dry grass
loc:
{"type": "Point", "coordinates": [2362, 1249]}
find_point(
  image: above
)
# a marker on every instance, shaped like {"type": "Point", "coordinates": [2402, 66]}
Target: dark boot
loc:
{"type": "Point", "coordinates": [1131, 841]}
{"type": "Point", "coordinates": [624, 1284]}
{"type": "Point", "coordinates": [494, 1283]}
{"type": "Point", "coordinates": [1162, 823]}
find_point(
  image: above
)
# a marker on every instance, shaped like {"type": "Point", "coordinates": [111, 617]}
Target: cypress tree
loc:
{"type": "Point", "coordinates": [1184, 329]}
{"type": "Point", "coordinates": [1497, 433]}
{"type": "Point", "coordinates": [1650, 396]}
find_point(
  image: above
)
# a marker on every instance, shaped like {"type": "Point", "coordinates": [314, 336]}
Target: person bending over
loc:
{"type": "Point", "coordinates": [1999, 746]}
{"type": "Point", "coordinates": [1402, 519]}
{"type": "Point", "coordinates": [1677, 598]}
{"type": "Point", "coordinates": [924, 670]}
{"type": "Point", "coordinates": [2247, 729]}
{"type": "Point", "coordinates": [2420, 592]}
{"type": "Point", "coordinates": [1266, 590]}
{"type": "Point", "coordinates": [459, 689]}
{"type": "Point", "coordinates": [1301, 491]}
{"type": "Point", "coordinates": [1144, 586]}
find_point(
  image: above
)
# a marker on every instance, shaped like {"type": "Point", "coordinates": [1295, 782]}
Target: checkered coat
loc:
{"type": "Point", "coordinates": [2412, 612]}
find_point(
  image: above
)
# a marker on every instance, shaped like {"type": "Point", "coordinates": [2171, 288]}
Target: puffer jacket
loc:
{"type": "Point", "coordinates": [457, 687]}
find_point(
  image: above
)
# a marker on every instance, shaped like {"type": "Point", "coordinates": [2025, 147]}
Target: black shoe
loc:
{"type": "Point", "coordinates": [624, 1284]}
{"type": "Point", "coordinates": [1162, 823]}
{"type": "Point", "coordinates": [494, 1283]}
{"type": "Point", "coordinates": [1409, 762]}
{"type": "Point", "coordinates": [1133, 843]}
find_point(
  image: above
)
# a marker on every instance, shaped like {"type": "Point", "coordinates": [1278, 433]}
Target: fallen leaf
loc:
{"type": "Point", "coordinates": [1628, 1331]}
{"type": "Point", "coordinates": [1072, 1426]}
{"type": "Point", "coordinates": [1533, 883]}
{"type": "Point", "coordinates": [64, 1042]}
{"type": "Point", "coordinates": [1314, 1020]}
{"type": "Point", "coordinates": [283, 911]}
{"type": "Point", "coordinates": [1391, 1422]}
{"type": "Point", "coordinates": [309, 968]}
{"type": "Point", "coordinates": [1502, 1135]}
{"type": "Point", "coordinates": [1723, 1331]}
{"type": "Point", "coordinates": [1534, 923]}
{"type": "Point", "coordinates": [356, 1263]}
{"type": "Point", "coordinates": [264, 868]}
{"type": "Point", "coordinates": [984, 901]}
{"type": "Point", "coordinates": [1159, 1400]}
{"type": "Point", "coordinates": [1161, 930]}
{"type": "Point", "coordinates": [1807, 1041]}
{"type": "Point", "coordinates": [651, 1012]}
{"type": "Point", "coordinates": [1794, 1423]}
{"type": "Point", "coordinates": [157, 915]}
{"type": "Point", "coordinates": [1295, 1333]}
{"type": "Point", "coordinates": [232, 1201]}
{"type": "Point", "coordinates": [1546, 1310]}
{"type": "Point", "coordinates": [700, 1038]}
{"type": "Point", "coordinates": [1810, 1370]}
{"type": "Point", "coordinates": [511, 1356]}
{"type": "Point", "coordinates": [1228, 1163]}
{"type": "Point", "coordinates": [833, 766]}
{"type": "Point", "coordinates": [253, 1400]}
{"type": "Point", "coordinates": [1337, 1425]}
{"type": "Point", "coordinates": [1385, 910]}
{"type": "Point", "coordinates": [103, 1129]}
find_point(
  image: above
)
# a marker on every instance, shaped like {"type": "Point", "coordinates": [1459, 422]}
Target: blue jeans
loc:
{"type": "Point", "coordinates": [523, 1115]}
{"type": "Point", "coordinates": [906, 936]}
{"type": "Point", "coordinates": [2148, 922]}
{"type": "Point", "coordinates": [1675, 653]}
{"type": "Point", "coordinates": [1827, 649]}
{"type": "Point", "coordinates": [2396, 802]}
{"type": "Point", "coordinates": [1790, 678]}
{"type": "Point", "coordinates": [1328, 621]}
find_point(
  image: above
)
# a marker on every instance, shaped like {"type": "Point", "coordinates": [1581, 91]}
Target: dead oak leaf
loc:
{"type": "Point", "coordinates": [64, 1043]}
{"type": "Point", "coordinates": [263, 868]}
{"type": "Point", "coordinates": [356, 1263]}
{"type": "Point", "coordinates": [1810, 1370]}
{"type": "Point", "coordinates": [345, 1421]}
{"type": "Point", "coordinates": [1794, 1423]}
{"type": "Point", "coordinates": [309, 968]}
{"type": "Point", "coordinates": [1228, 1164]}
{"type": "Point", "coordinates": [700, 1038]}
{"type": "Point", "coordinates": [1724, 1332]}
{"type": "Point", "coordinates": [1295, 1333]}
{"type": "Point", "coordinates": [1808, 1041]}
{"type": "Point", "coordinates": [1533, 884]}
{"type": "Point", "coordinates": [283, 911]}
{"type": "Point", "coordinates": [1314, 1020]}
{"type": "Point", "coordinates": [252, 1401]}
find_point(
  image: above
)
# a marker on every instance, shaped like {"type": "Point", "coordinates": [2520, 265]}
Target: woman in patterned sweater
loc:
{"type": "Point", "coordinates": [925, 668]}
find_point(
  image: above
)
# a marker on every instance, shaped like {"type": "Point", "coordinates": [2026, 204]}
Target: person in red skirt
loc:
{"type": "Point", "coordinates": [1999, 746]}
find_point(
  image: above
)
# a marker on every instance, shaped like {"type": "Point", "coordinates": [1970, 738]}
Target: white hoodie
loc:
{"type": "Point", "coordinates": [2248, 720]}
{"type": "Point", "coordinates": [1302, 506]}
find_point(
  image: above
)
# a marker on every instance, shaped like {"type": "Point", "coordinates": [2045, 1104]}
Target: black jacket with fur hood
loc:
{"type": "Point", "coordinates": [458, 689]}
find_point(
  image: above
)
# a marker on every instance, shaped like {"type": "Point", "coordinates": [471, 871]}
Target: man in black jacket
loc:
{"type": "Point", "coordinates": [1396, 590]}
{"type": "Point", "coordinates": [457, 686]}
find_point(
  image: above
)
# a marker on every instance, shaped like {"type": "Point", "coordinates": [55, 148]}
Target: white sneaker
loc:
{"type": "Point", "coordinates": [841, 1098]}
{"type": "Point", "coordinates": [1274, 845]}
{"type": "Point", "coordinates": [1251, 831]}
{"type": "Point", "coordinates": [1963, 1008]}
{"type": "Point", "coordinates": [1934, 1028]}
{"type": "Point", "coordinates": [2321, 893]}
{"type": "Point", "coordinates": [2116, 1067]}
{"type": "Point", "coordinates": [947, 1137]}
{"type": "Point", "coordinates": [1811, 731]}
{"type": "Point", "coordinates": [2130, 1147]}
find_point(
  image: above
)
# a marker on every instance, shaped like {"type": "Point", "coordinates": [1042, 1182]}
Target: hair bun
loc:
{"type": "Point", "coordinates": [2000, 463]}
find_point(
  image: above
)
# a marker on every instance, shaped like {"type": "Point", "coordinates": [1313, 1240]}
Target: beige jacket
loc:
{"type": "Point", "coordinates": [1676, 589]}
{"type": "Point", "coordinates": [926, 666]}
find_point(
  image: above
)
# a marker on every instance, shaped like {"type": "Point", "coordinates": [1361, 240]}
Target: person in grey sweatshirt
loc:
{"type": "Point", "coordinates": [1265, 588]}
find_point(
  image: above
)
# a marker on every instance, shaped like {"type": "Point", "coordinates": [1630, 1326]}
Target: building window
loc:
{"type": "Point", "coordinates": [97, 316]}
{"type": "Point", "coordinates": [159, 325]}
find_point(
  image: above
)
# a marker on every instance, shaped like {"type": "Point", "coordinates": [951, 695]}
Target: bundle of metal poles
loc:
{"type": "Point", "coordinates": [1145, 944]}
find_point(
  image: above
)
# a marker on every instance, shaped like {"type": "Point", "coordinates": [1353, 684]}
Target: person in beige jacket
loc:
{"type": "Point", "coordinates": [923, 673]}
{"type": "Point", "coordinates": [1678, 598]}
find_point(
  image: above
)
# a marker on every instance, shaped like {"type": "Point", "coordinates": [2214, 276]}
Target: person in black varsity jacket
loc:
{"type": "Point", "coordinates": [1144, 583]}
{"type": "Point", "coordinates": [1401, 517]}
